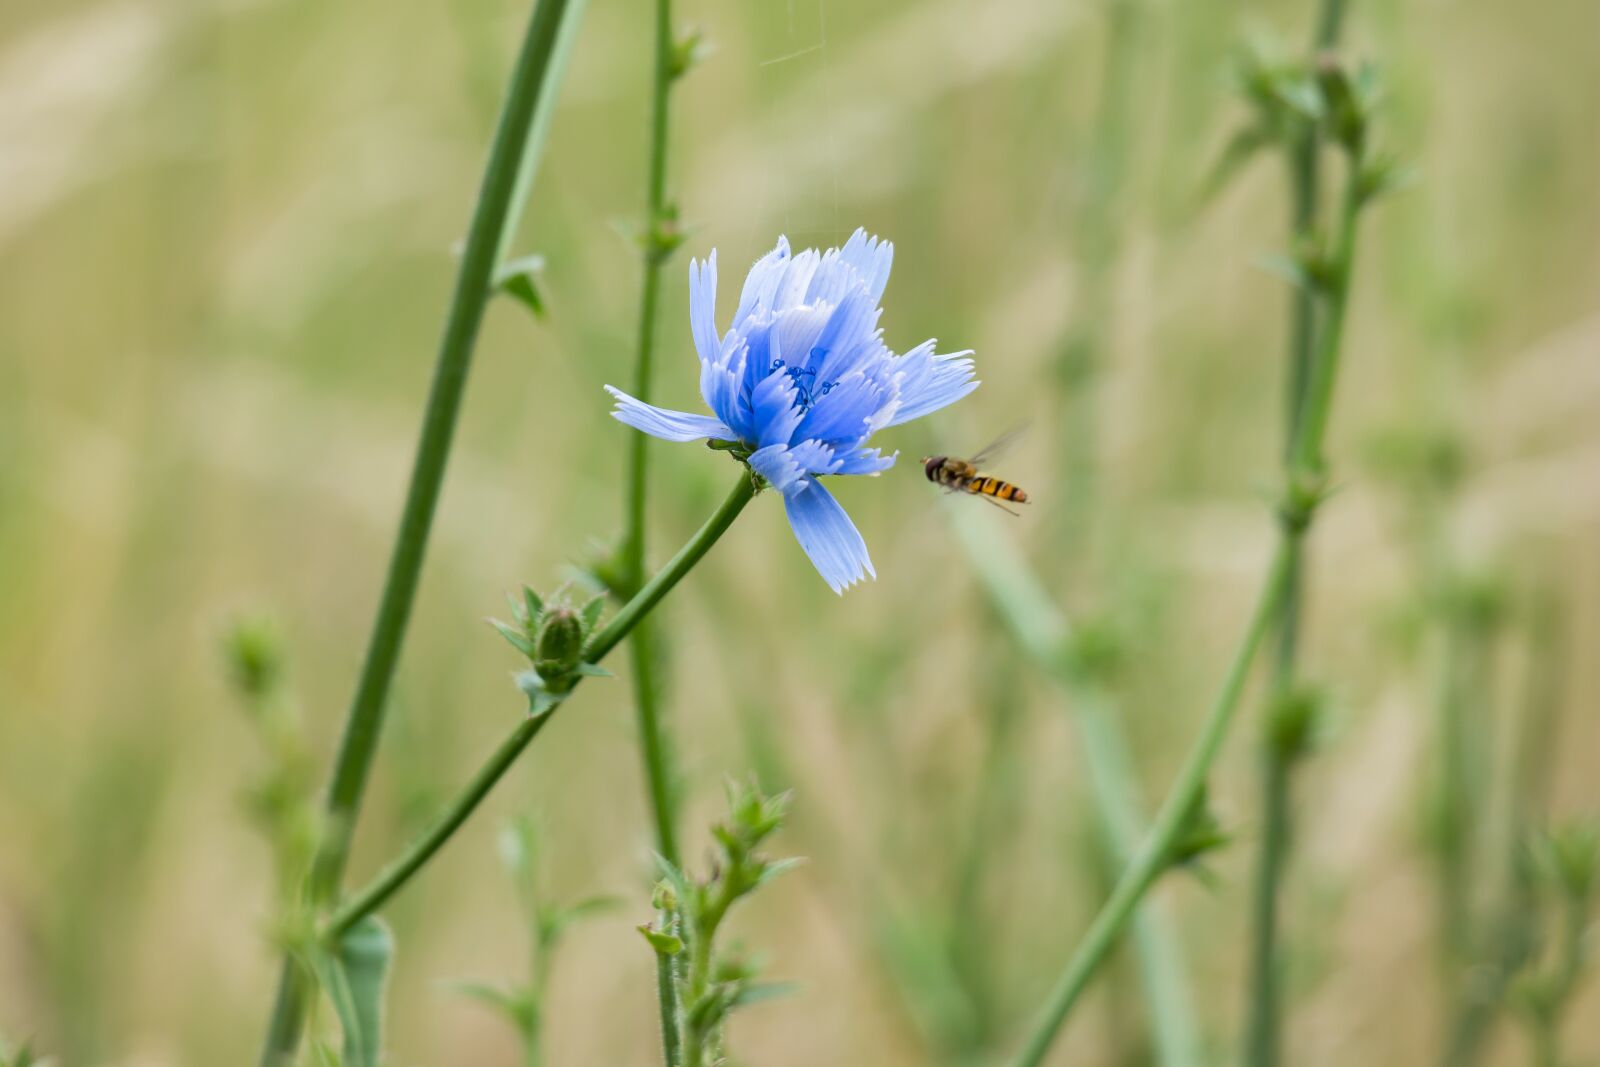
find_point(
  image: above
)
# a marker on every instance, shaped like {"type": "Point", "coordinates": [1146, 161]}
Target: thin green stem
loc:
{"type": "Point", "coordinates": [1097, 226]}
{"type": "Point", "coordinates": [399, 872]}
{"type": "Point", "coordinates": [1154, 851]}
{"type": "Point", "coordinates": [364, 721]}
{"type": "Point", "coordinates": [699, 977]}
{"type": "Point", "coordinates": [1263, 1023]}
{"type": "Point", "coordinates": [1299, 510]}
{"type": "Point", "coordinates": [970, 942]}
{"type": "Point", "coordinates": [1306, 455]}
{"type": "Point", "coordinates": [1262, 1033]}
{"type": "Point", "coordinates": [654, 748]}
{"type": "Point", "coordinates": [1044, 635]}
{"type": "Point", "coordinates": [623, 622]}
{"type": "Point", "coordinates": [376, 893]}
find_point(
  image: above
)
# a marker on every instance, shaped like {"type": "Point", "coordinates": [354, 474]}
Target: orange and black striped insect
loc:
{"type": "Point", "coordinates": [965, 475]}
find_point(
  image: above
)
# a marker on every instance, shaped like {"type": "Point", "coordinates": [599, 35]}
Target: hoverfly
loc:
{"type": "Point", "coordinates": [965, 475]}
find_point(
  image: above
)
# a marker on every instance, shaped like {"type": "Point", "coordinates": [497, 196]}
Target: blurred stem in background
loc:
{"type": "Point", "coordinates": [1097, 228]}
{"type": "Point", "coordinates": [523, 1004]}
{"type": "Point", "coordinates": [532, 88]}
{"type": "Point", "coordinates": [1291, 709]}
{"type": "Point", "coordinates": [1072, 661]}
{"type": "Point", "coordinates": [971, 941]}
{"type": "Point", "coordinates": [1348, 111]}
{"type": "Point", "coordinates": [1477, 985]}
{"type": "Point", "coordinates": [660, 237]}
{"type": "Point", "coordinates": [1036, 626]}
{"type": "Point", "coordinates": [1469, 628]}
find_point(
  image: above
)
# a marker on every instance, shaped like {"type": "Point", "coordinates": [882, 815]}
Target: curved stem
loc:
{"type": "Point", "coordinates": [1153, 854]}
{"type": "Point", "coordinates": [1299, 509]}
{"type": "Point", "coordinates": [1044, 634]}
{"type": "Point", "coordinates": [624, 621]}
{"type": "Point", "coordinates": [377, 892]}
{"type": "Point", "coordinates": [417, 855]}
{"type": "Point", "coordinates": [364, 721]}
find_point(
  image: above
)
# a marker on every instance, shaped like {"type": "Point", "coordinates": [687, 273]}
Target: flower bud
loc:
{"type": "Point", "coordinates": [558, 645]}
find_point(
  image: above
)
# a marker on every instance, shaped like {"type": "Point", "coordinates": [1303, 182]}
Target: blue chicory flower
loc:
{"type": "Point", "coordinates": [801, 381]}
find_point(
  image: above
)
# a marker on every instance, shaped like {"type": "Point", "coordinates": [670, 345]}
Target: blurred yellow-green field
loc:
{"type": "Point", "coordinates": [228, 231]}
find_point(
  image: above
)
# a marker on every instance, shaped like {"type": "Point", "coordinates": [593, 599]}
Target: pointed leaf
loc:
{"type": "Point", "coordinates": [756, 992]}
{"type": "Point", "coordinates": [556, 920]}
{"type": "Point", "coordinates": [519, 640]}
{"type": "Point", "coordinates": [775, 868]}
{"type": "Point", "coordinates": [518, 279]}
{"type": "Point", "coordinates": [1289, 269]}
{"type": "Point", "coordinates": [664, 943]}
{"type": "Point", "coordinates": [516, 1005]}
{"type": "Point", "coordinates": [591, 612]}
{"type": "Point", "coordinates": [675, 877]}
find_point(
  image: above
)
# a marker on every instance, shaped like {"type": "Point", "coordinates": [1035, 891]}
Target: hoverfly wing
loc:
{"type": "Point", "coordinates": [999, 446]}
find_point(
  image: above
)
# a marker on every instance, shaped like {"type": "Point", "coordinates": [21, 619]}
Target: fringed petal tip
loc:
{"type": "Point", "coordinates": [827, 536]}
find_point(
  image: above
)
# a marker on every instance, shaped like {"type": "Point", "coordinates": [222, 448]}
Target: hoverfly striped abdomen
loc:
{"type": "Point", "coordinates": [962, 476]}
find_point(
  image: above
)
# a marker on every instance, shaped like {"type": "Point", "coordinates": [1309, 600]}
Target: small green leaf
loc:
{"type": "Point", "coordinates": [1240, 149]}
{"type": "Point", "coordinates": [769, 871]}
{"type": "Point", "coordinates": [664, 943]}
{"type": "Point", "coordinates": [554, 922]}
{"type": "Point", "coordinates": [689, 50]}
{"type": "Point", "coordinates": [591, 612]}
{"type": "Point", "coordinates": [1201, 834]}
{"type": "Point", "coordinates": [1289, 268]}
{"type": "Point", "coordinates": [756, 992]}
{"type": "Point", "coordinates": [516, 1005]}
{"type": "Point", "coordinates": [518, 278]}
{"type": "Point", "coordinates": [672, 875]}
{"type": "Point", "coordinates": [519, 640]}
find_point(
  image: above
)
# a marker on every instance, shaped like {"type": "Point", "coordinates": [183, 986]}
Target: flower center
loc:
{"type": "Point", "coordinates": [805, 384]}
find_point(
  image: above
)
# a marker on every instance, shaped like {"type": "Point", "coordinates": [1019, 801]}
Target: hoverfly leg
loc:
{"type": "Point", "coordinates": [1001, 506]}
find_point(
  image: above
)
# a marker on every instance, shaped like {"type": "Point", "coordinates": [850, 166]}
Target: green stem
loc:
{"type": "Point", "coordinates": [1299, 510]}
{"type": "Point", "coordinates": [970, 943]}
{"type": "Point", "coordinates": [376, 893]}
{"type": "Point", "coordinates": [1163, 970]}
{"type": "Point", "coordinates": [622, 623]}
{"type": "Point", "coordinates": [654, 748]}
{"type": "Point", "coordinates": [1263, 1024]}
{"type": "Point", "coordinates": [1261, 1039]}
{"type": "Point", "coordinates": [1044, 635]}
{"type": "Point", "coordinates": [364, 721]}
{"type": "Point", "coordinates": [1305, 458]}
{"type": "Point", "coordinates": [1097, 222]}
{"type": "Point", "coordinates": [1154, 851]}
{"type": "Point", "coordinates": [699, 977]}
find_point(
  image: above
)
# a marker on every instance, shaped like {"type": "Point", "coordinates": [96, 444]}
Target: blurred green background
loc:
{"type": "Point", "coordinates": [226, 232]}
